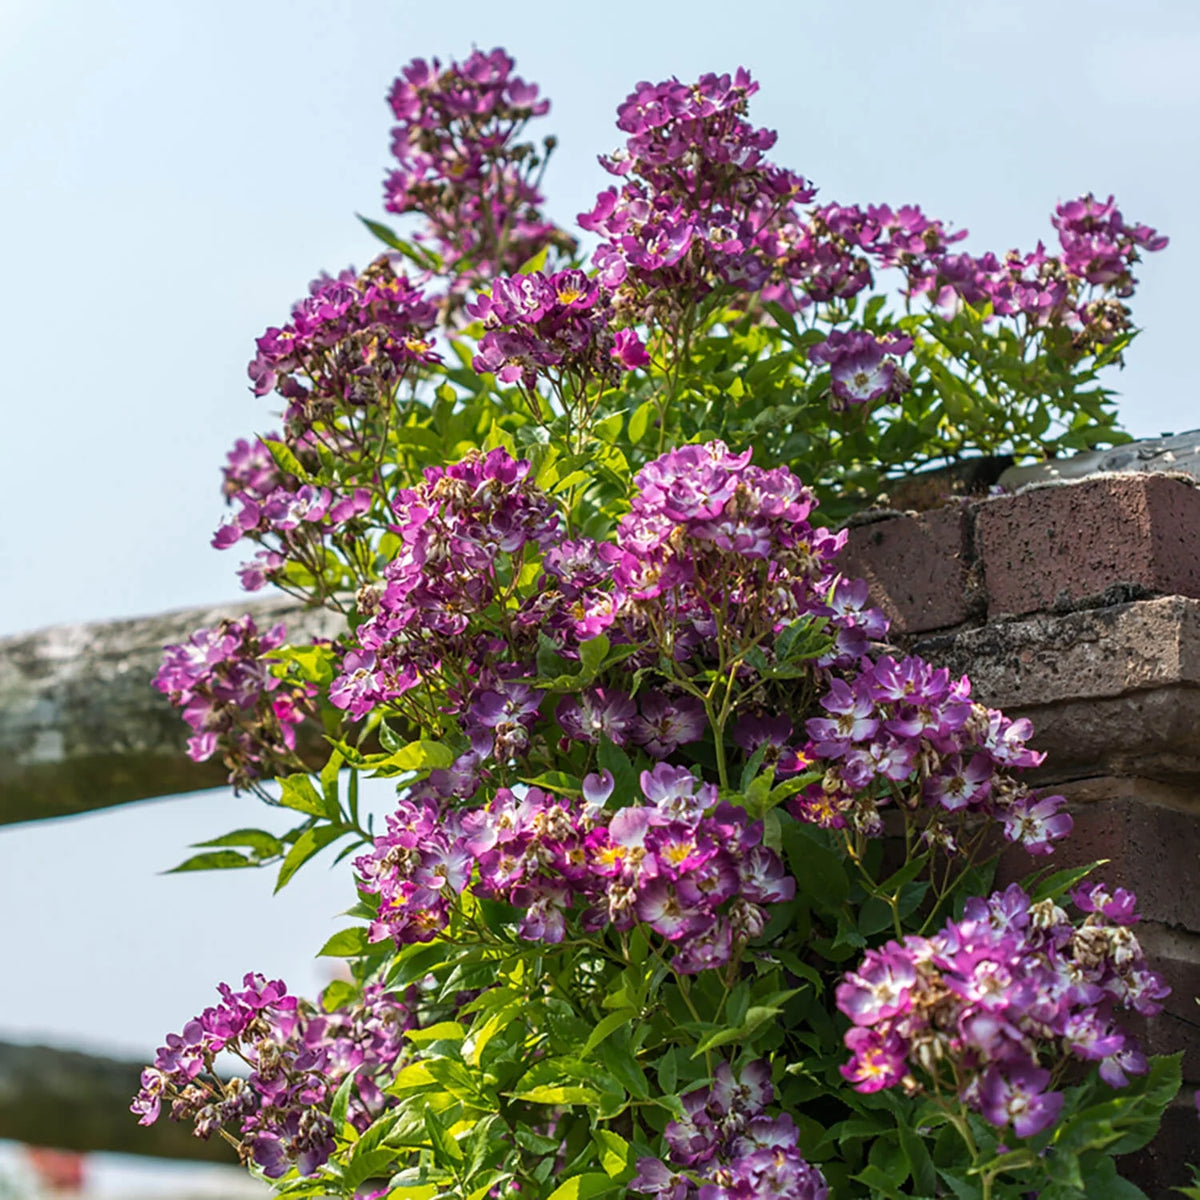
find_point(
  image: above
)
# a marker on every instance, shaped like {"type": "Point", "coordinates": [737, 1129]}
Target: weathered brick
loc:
{"type": "Point", "coordinates": [917, 567]}
{"type": "Point", "coordinates": [1110, 690]}
{"type": "Point", "coordinates": [1061, 544]}
{"type": "Point", "coordinates": [1154, 733]}
{"type": "Point", "coordinates": [1093, 653]}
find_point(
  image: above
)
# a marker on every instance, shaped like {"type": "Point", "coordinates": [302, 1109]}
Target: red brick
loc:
{"type": "Point", "coordinates": [917, 567]}
{"type": "Point", "coordinates": [1067, 543]}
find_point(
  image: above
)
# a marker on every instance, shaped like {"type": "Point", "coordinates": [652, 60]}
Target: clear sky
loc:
{"type": "Point", "coordinates": [175, 174]}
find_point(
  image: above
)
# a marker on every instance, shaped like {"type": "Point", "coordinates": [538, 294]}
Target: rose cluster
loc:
{"type": "Point", "coordinates": [712, 539]}
{"type": "Point", "coordinates": [232, 700]}
{"type": "Point", "coordinates": [726, 1147]}
{"type": "Point", "coordinates": [464, 169]}
{"type": "Point", "coordinates": [715, 553]}
{"type": "Point", "coordinates": [1099, 245]}
{"type": "Point", "coordinates": [700, 198]}
{"type": "Point", "coordinates": [347, 345]}
{"type": "Point", "coordinates": [1078, 290]}
{"type": "Point", "coordinates": [289, 519]}
{"type": "Point", "coordinates": [902, 726]}
{"type": "Point", "coordinates": [556, 325]}
{"type": "Point", "coordinates": [994, 1005]}
{"type": "Point", "coordinates": [693, 870]}
{"type": "Point", "coordinates": [702, 205]}
{"type": "Point", "coordinates": [463, 535]}
{"type": "Point", "coordinates": [713, 549]}
{"type": "Point", "coordinates": [297, 1059]}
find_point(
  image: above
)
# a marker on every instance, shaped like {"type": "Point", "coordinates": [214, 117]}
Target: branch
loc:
{"type": "Point", "coordinates": [73, 1101]}
{"type": "Point", "coordinates": [82, 728]}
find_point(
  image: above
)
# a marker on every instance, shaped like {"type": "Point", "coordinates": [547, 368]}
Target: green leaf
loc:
{"type": "Point", "coordinates": [614, 1152]}
{"type": "Point", "coordinates": [535, 263]}
{"type": "Point", "coordinates": [819, 872]}
{"type": "Point", "coordinates": [351, 943]}
{"type": "Point", "coordinates": [756, 1015]}
{"type": "Point", "coordinates": [880, 1183]}
{"type": "Point", "coordinates": [614, 760]}
{"type": "Point", "coordinates": [605, 1026]}
{"type": "Point", "coordinates": [609, 429]}
{"type": "Point", "coordinates": [618, 1058]}
{"type": "Point", "coordinates": [329, 782]}
{"type": "Point", "coordinates": [338, 994]}
{"type": "Point", "coordinates": [286, 461]}
{"type": "Point", "coordinates": [341, 1101]}
{"type": "Point", "coordinates": [758, 792]}
{"type": "Point", "coordinates": [639, 422]}
{"type": "Point", "coordinates": [1061, 882]}
{"type": "Point", "coordinates": [298, 792]}
{"type": "Point", "coordinates": [924, 1176]}
{"type": "Point", "coordinates": [445, 1146]}
{"type": "Point", "coordinates": [262, 843]}
{"type": "Point", "coordinates": [416, 254]}
{"type": "Point", "coordinates": [416, 961]}
{"type": "Point", "coordinates": [556, 781]}
{"type": "Point", "coordinates": [389, 739]}
{"type": "Point", "coordinates": [314, 663]}
{"type": "Point", "coordinates": [964, 1189]}
{"type": "Point", "coordinates": [753, 763]}
{"type": "Point", "coordinates": [420, 756]}
{"type": "Point", "coordinates": [582, 1187]}
{"type": "Point", "coordinates": [443, 1031]}
{"type": "Point", "coordinates": [310, 842]}
{"type": "Point", "coordinates": [1102, 1181]}
{"type": "Point", "coordinates": [213, 860]}
{"type": "Point", "coordinates": [495, 1023]}
{"type": "Point", "coordinates": [366, 1162]}
{"type": "Point", "coordinates": [592, 654]}
{"type": "Point", "coordinates": [559, 1095]}
{"type": "Point", "coordinates": [573, 479]}
{"type": "Point", "coordinates": [415, 1077]}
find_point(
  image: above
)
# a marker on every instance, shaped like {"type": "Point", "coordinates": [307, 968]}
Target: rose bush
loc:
{"type": "Point", "coordinates": [685, 891]}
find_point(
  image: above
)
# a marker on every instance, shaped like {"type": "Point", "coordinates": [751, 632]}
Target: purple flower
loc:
{"type": "Point", "coordinates": [676, 793]}
{"type": "Point", "coordinates": [853, 720]}
{"type": "Point", "coordinates": [878, 1060]}
{"type": "Point", "coordinates": [1037, 824]}
{"type": "Point", "coordinates": [1118, 906]}
{"type": "Point", "coordinates": [664, 725]}
{"type": "Point", "coordinates": [348, 342]}
{"type": "Point", "coordinates": [232, 700]}
{"type": "Point", "coordinates": [862, 367]}
{"type": "Point", "coordinates": [597, 712]}
{"type": "Point", "coordinates": [297, 1057]}
{"type": "Point", "coordinates": [551, 325]}
{"type": "Point", "coordinates": [983, 1004]}
{"type": "Point", "coordinates": [655, 1178]}
{"type": "Point", "coordinates": [1016, 1096]}
{"type": "Point", "coordinates": [880, 988]}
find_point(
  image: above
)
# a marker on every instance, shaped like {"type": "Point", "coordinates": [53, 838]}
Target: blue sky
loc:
{"type": "Point", "coordinates": [176, 173]}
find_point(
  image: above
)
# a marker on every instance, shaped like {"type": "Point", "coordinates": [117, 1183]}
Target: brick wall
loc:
{"type": "Point", "coordinates": [1078, 605]}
